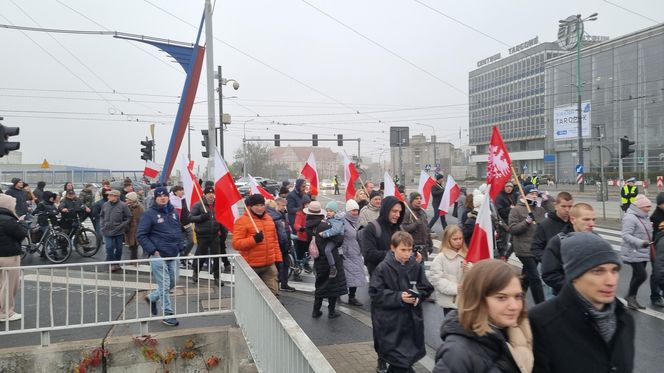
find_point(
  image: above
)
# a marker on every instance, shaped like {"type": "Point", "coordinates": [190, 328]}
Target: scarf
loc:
{"type": "Point", "coordinates": [605, 320]}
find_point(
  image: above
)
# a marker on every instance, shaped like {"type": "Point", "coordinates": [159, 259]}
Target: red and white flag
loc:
{"type": "Point", "coordinates": [257, 189]}
{"type": "Point", "coordinates": [151, 170]}
{"type": "Point", "coordinates": [350, 177]}
{"type": "Point", "coordinates": [309, 172]}
{"type": "Point", "coordinates": [424, 188]}
{"type": "Point", "coordinates": [481, 243]}
{"type": "Point", "coordinates": [391, 188]}
{"type": "Point", "coordinates": [499, 166]}
{"type": "Point", "coordinates": [225, 193]}
{"type": "Point", "coordinates": [450, 195]}
{"type": "Point", "coordinates": [192, 190]}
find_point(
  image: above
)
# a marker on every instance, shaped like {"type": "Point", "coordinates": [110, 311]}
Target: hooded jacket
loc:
{"type": "Point", "coordinates": [159, 229]}
{"type": "Point", "coordinates": [46, 210]}
{"type": "Point", "coordinates": [21, 199]}
{"type": "Point", "coordinates": [294, 200]}
{"type": "Point", "coordinates": [466, 352]}
{"type": "Point", "coordinates": [283, 229]}
{"type": "Point", "coordinates": [398, 328]}
{"type": "Point", "coordinates": [353, 260]}
{"type": "Point", "coordinates": [375, 247]}
{"type": "Point", "coordinates": [12, 232]}
{"type": "Point", "coordinates": [636, 228]}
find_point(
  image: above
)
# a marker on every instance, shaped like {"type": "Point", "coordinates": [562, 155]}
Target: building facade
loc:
{"type": "Point", "coordinates": [418, 154]}
{"type": "Point", "coordinates": [328, 163]}
{"type": "Point", "coordinates": [622, 95]}
{"type": "Point", "coordinates": [510, 93]}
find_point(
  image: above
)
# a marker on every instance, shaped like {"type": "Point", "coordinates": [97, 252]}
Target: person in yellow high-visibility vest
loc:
{"type": "Point", "coordinates": [628, 193]}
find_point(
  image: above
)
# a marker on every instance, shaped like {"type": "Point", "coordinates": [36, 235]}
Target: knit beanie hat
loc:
{"type": "Point", "coordinates": [15, 180]}
{"type": "Point", "coordinates": [352, 205]}
{"type": "Point", "coordinates": [660, 198]}
{"type": "Point", "coordinates": [583, 251]}
{"type": "Point", "coordinates": [374, 193]}
{"type": "Point", "coordinates": [414, 195]}
{"type": "Point", "coordinates": [478, 198]}
{"type": "Point", "coordinates": [132, 196]}
{"type": "Point", "coordinates": [8, 202]}
{"type": "Point", "coordinates": [160, 191]}
{"type": "Point", "coordinates": [332, 205]}
{"type": "Point", "coordinates": [254, 199]}
{"type": "Point", "coordinates": [642, 201]}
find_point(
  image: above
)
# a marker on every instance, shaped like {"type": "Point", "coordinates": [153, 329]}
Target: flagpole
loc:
{"type": "Point", "coordinates": [363, 187]}
{"type": "Point", "coordinates": [200, 198]}
{"type": "Point", "coordinates": [251, 218]}
{"type": "Point", "coordinates": [516, 181]}
{"type": "Point", "coordinates": [411, 211]}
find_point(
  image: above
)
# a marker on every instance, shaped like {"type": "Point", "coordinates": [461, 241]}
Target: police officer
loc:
{"type": "Point", "coordinates": [628, 193]}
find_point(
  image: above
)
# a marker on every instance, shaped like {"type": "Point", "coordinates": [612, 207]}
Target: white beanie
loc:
{"type": "Point", "coordinates": [352, 205]}
{"type": "Point", "coordinates": [478, 198]}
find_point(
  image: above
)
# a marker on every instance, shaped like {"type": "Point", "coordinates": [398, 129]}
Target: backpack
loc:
{"type": "Point", "coordinates": [362, 231]}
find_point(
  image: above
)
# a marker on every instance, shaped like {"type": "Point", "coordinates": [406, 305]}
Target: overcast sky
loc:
{"type": "Point", "coordinates": [326, 67]}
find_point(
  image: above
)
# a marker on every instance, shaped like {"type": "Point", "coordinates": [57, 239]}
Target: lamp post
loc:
{"type": "Point", "coordinates": [223, 82]}
{"type": "Point", "coordinates": [433, 141]}
{"type": "Point", "coordinates": [577, 21]}
{"type": "Point", "coordinates": [244, 147]}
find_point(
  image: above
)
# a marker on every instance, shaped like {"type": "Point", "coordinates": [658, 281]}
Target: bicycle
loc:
{"type": "Point", "coordinates": [85, 240]}
{"type": "Point", "coordinates": [53, 244]}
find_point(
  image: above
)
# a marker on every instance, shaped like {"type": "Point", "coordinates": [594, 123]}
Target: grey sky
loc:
{"type": "Point", "coordinates": [68, 114]}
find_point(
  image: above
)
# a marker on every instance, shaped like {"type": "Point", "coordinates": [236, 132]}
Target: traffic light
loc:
{"type": "Point", "coordinates": [340, 140]}
{"type": "Point", "coordinates": [625, 147]}
{"type": "Point", "coordinates": [276, 140]}
{"type": "Point", "coordinates": [8, 146]}
{"type": "Point", "coordinates": [314, 140]}
{"type": "Point", "coordinates": [205, 143]}
{"type": "Point", "coordinates": [147, 149]}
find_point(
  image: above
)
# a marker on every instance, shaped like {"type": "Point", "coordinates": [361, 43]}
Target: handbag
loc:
{"type": "Point", "coordinates": [652, 245]}
{"type": "Point", "coordinates": [313, 249]}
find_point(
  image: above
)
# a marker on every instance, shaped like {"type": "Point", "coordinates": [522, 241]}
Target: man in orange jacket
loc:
{"type": "Point", "coordinates": [260, 248]}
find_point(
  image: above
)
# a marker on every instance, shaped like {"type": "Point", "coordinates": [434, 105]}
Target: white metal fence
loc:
{"type": "Point", "coordinates": [84, 295]}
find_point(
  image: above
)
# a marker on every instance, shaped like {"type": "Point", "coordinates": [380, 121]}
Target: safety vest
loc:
{"type": "Point", "coordinates": [533, 180]}
{"type": "Point", "coordinates": [627, 192]}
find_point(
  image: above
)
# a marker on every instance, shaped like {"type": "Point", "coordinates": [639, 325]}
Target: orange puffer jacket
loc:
{"type": "Point", "coordinates": [260, 254]}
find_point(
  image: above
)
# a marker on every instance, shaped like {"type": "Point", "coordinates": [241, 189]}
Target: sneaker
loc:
{"type": "Point", "coordinates": [153, 306]}
{"type": "Point", "coordinates": [633, 304]}
{"type": "Point", "coordinates": [170, 322]}
{"type": "Point", "coordinates": [287, 288]}
{"type": "Point", "coordinates": [333, 315]}
{"type": "Point", "coordinates": [659, 302]}
{"type": "Point", "coordinates": [354, 302]}
{"type": "Point", "coordinates": [333, 272]}
{"type": "Point", "coordinates": [316, 314]}
{"type": "Point", "coordinates": [14, 317]}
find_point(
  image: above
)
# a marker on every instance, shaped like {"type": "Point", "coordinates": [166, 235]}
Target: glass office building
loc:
{"type": "Point", "coordinates": [623, 95]}
{"type": "Point", "coordinates": [510, 93]}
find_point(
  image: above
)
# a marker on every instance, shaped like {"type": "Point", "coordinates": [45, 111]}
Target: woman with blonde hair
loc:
{"type": "Point", "coordinates": [448, 267]}
{"type": "Point", "coordinates": [361, 198]}
{"type": "Point", "coordinates": [490, 331]}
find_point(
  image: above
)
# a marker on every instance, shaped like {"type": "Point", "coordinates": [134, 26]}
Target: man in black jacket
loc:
{"type": "Point", "coordinates": [506, 201]}
{"type": "Point", "coordinates": [553, 224]}
{"type": "Point", "coordinates": [376, 242]}
{"type": "Point", "coordinates": [582, 219]}
{"type": "Point", "coordinates": [437, 195]}
{"type": "Point", "coordinates": [20, 195]}
{"type": "Point", "coordinates": [207, 232]}
{"type": "Point", "coordinates": [584, 329]}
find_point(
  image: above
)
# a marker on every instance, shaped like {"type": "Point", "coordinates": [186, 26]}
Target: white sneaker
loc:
{"type": "Point", "coordinates": [14, 317]}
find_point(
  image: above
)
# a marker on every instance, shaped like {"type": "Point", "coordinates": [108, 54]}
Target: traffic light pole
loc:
{"type": "Point", "coordinates": [209, 57]}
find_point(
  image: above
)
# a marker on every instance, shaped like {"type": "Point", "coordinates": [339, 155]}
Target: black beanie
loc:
{"type": "Point", "coordinates": [374, 193]}
{"type": "Point", "coordinates": [583, 251]}
{"type": "Point", "coordinates": [254, 199]}
{"type": "Point", "coordinates": [660, 198]}
{"type": "Point", "coordinates": [414, 195]}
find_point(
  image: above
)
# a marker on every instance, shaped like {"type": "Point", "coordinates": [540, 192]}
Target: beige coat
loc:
{"type": "Point", "coordinates": [521, 345]}
{"type": "Point", "coordinates": [446, 271]}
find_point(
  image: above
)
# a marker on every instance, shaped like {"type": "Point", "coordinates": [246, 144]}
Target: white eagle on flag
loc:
{"type": "Point", "coordinates": [498, 166]}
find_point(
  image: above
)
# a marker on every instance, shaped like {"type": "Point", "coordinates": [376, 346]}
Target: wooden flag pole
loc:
{"type": "Point", "coordinates": [251, 218]}
{"type": "Point", "coordinates": [363, 187]}
{"type": "Point", "coordinates": [200, 198]}
{"type": "Point", "coordinates": [411, 211]}
{"type": "Point", "coordinates": [516, 181]}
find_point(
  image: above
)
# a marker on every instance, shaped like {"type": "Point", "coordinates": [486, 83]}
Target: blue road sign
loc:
{"type": "Point", "coordinates": [579, 168]}
{"type": "Point", "coordinates": [525, 166]}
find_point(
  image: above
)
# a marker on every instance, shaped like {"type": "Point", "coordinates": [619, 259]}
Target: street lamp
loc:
{"type": "Point", "coordinates": [433, 141]}
{"type": "Point", "coordinates": [577, 22]}
{"type": "Point", "coordinates": [244, 147]}
{"type": "Point", "coordinates": [236, 86]}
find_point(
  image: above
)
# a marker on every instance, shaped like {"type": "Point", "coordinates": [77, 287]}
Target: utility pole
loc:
{"type": "Point", "coordinates": [209, 58]}
{"type": "Point", "coordinates": [578, 93]}
{"type": "Point", "coordinates": [221, 114]}
{"type": "Point", "coordinates": [602, 189]}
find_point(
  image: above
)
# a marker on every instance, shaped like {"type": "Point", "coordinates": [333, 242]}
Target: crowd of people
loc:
{"type": "Point", "coordinates": [577, 325]}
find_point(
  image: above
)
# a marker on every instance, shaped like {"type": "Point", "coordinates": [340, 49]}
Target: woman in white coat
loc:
{"type": "Point", "coordinates": [448, 267]}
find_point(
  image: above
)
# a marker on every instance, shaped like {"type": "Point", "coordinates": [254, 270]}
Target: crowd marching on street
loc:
{"type": "Point", "coordinates": [577, 325]}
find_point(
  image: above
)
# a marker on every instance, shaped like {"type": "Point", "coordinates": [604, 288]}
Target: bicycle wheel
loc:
{"type": "Point", "coordinates": [293, 268]}
{"type": "Point", "coordinates": [57, 247]}
{"type": "Point", "coordinates": [86, 242]}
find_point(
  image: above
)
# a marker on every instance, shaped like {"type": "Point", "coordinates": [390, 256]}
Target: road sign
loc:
{"type": "Point", "coordinates": [427, 167]}
{"type": "Point", "coordinates": [525, 167]}
{"type": "Point", "coordinates": [579, 168]}
{"type": "Point", "coordinates": [45, 164]}
{"type": "Point", "coordinates": [660, 181]}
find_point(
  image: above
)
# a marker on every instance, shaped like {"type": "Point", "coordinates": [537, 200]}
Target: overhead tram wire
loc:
{"type": "Point", "coordinates": [427, 72]}
{"type": "Point", "coordinates": [633, 12]}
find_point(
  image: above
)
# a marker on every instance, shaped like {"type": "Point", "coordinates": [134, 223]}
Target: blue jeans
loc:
{"type": "Point", "coordinates": [113, 247]}
{"type": "Point", "coordinates": [165, 274]}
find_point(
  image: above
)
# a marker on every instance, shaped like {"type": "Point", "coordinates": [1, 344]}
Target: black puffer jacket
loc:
{"type": "Point", "coordinates": [205, 220]}
{"type": "Point", "coordinates": [12, 234]}
{"type": "Point", "coordinates": [656, 218]}
{"type": "Point", "coordinates": [504, 202]}
{"type": "Point", "coordinates": [548, 228]}
{"type": "Point", "coordinates": [327, 287]}
{"type": "Point", "coordinates": [658, 270]}
{"type": "Point", "coordinates": [465, 352]}
{"type": "Point", "coordinates": [376, 247]}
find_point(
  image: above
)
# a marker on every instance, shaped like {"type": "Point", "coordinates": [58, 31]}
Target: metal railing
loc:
{"type": "Point", "coordinates": [85, 295]}
{"type": "Point", "coordinates": [276, 341]}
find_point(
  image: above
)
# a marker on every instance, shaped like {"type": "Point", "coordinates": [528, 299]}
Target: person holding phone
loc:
{"type": "Point", "coordinates": [398, 287]}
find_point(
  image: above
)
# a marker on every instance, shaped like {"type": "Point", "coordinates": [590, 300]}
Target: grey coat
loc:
{"type": "Point", "coordinates": [115, 218]}
{"type": "Point", "coordinates": [523, 232]}
{"type": "Point", "coordinates": [353, 260]}
{"type": "Point", "coordinates": [368, 213]}
{"type": "Point", "coordinates": [636, 228]}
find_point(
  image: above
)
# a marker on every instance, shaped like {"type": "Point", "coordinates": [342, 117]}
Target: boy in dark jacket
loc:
{"type": "Point", "coordinates": [398, 287]}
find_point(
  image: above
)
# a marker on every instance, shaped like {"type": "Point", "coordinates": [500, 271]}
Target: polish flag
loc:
{"type": "Point", "coordinates": [151, 170]}
{"type": "Point", "coordinates": [192, 190]}
{"type": "Point", "coordinates": [225, 193]}
{"type": "Point", "coordinates": [424, 188]}
{"type": "Point", "coordinates": [450, 195]}
{"type": "Point", "coordinates": [257, 189]}
{"type": "Point", "coordinates": [390, 188]}
{"type": "Point", "coordinates": [481, 243]}
{"type": "Point", "coordinates": [499, 166]}
{"type": "Point", "coordinates": [350, 176]}
{"type": "Point", "coordinates": [309, 172]}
